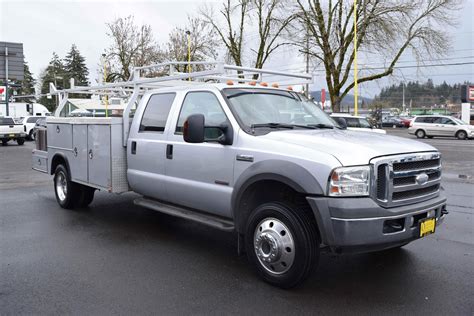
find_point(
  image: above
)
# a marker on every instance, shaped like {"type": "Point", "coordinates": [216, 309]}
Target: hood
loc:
{"type": "Point", "coordinates": [349, 147]}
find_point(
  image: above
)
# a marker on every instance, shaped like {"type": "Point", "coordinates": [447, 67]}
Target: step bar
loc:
{"type": "Point", "coordinates": [206, 219]}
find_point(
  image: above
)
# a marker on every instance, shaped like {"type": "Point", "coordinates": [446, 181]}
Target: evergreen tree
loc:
{"type": "Point", "coordinates": [53, 73]}
{"type": "Point", "coordinates": [28, 83]}
{"type": "Point", "coordinates": [75, 67]}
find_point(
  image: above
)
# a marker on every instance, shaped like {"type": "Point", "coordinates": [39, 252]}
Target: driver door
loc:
{"type": "Point", "coordinates": [200, 176]}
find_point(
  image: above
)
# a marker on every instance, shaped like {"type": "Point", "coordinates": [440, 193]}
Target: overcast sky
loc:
{"type": "Point", "coordinates": [47, 26]}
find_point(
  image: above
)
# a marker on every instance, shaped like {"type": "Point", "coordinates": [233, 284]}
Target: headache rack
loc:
{"type": "Point", "coordinates": [168, 74]}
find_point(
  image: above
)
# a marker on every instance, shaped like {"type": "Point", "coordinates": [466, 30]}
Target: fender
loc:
{"type": "Point", "coordinates": [59, 154]}
{"type": "Point", "coordinates": [286, 172]}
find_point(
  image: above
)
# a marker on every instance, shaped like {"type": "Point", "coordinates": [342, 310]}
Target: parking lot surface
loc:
{"type": "Point", "coordinates": [118, 258]}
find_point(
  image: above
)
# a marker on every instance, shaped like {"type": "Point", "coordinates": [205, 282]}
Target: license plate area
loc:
{"type": "Point", "coordinates": [427, 226]}
{"type": "Point", "coordinates": [12, 135]}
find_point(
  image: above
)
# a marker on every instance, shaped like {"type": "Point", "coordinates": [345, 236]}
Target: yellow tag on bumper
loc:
{"type": "Point", "coordinates": [427, 226]}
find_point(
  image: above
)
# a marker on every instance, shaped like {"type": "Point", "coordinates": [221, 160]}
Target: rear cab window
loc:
{"type": "Point", "coordinates": [32, 119]}
{"type": "Point", "coordinates": [6, 121]}
{"type": "Point", "coordinates": [156, 112]}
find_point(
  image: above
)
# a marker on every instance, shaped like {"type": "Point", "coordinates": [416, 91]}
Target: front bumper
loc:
{"type": "Point", "coordinates": [361, 225]}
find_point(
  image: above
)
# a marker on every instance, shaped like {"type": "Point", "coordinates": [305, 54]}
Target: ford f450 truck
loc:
{"type": "Point", "coordinates": [263, 162]}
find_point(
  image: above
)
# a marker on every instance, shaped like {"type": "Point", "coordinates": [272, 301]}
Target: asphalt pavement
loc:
{"type": "Point", "coordinates": [118, 258]}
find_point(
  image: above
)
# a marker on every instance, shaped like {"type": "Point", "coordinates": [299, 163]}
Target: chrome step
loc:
{"type": "Point", "coordinates": [206, 219]}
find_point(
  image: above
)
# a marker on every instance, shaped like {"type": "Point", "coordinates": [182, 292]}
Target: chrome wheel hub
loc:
{"type": "Point", "coordinates": [61, 186]}
{"type": "Point", "coordinates": [274, 246]}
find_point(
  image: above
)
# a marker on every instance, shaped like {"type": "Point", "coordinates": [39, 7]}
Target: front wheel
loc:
{"type": "Point", "coordinates": [461, 135]}
{"type": "Point", "coordinates": [282, 243]}
{"type": "Point", "coordinates": [67, 192]}
{"type": "Point", "coordinates": [32, 135]}
{"type": "Point", "coordinates": [4, 142]}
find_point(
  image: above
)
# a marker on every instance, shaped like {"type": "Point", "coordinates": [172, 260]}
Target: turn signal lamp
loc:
{"type": "Point", "coordinates": [275, 85]}
{"type": "Point", "coordinates": [230, 83]}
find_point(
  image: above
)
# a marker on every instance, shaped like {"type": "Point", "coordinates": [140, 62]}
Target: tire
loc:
{"type": "Point", "coordinates": [86, 196]}
{"type": "Point", "coordinates": [31, 135]}
{"type": "Point", "coordinates": [67, 192]}
{"type": "Point", "coordinates": [20, 141]}
{"type": "Point", "coordinates": [462, 135]}
{"type": "Point", "coordinates": [4, 142]}
{"type": "Point", "coordinates": [420, 133]}
{"type": "Point", "coordinates": [282, 243]}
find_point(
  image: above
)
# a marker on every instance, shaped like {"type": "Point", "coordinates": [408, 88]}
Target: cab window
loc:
{"type": "Point", "coordinates": [207, 104]}
{"type": "Point", "coordinates": [156, 112]}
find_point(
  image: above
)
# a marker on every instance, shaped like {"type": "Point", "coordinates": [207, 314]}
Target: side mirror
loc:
{"type": "Point", "coordinates": [193, 129]}
{"type": "Point", "coordinates": [341, 121]}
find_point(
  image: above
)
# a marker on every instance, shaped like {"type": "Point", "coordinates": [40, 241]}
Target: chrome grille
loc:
{"type": "Point", "coordinates": [406, 179]}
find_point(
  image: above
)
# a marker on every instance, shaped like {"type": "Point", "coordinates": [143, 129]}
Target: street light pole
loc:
{"type": "Point", "coordinates": [106, 98]}
{"type": "Point", "coordinates": [188, 33]}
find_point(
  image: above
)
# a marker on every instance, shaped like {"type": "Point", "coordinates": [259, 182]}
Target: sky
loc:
{"type": "Point", "coordinates": [47, 26]}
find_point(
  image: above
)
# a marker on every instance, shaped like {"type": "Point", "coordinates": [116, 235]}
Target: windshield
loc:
{"type": "Point", "coordinates": [267, 108]}
{"type": "Point", "coordinates": [458, 121]}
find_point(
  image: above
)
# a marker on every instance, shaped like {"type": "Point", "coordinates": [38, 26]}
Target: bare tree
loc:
{"type": "Point", "coordinates": [239, 18]}
{"type": "Point", "coordinates": [202, 45]}
{"type": "Point", "coordinates": [132, 46]}
{"type": "Point", "coordinates": [386, 27]}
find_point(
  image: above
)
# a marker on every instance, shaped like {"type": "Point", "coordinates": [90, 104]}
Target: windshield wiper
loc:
{"type": "Point", "coordinates": [272, 125]}
{"type": "Point", "coordinates": [321, 126]}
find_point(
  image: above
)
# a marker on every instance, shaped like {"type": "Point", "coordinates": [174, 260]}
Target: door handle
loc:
{"type": "Point", "coordinates": [134, 148]}
{"type": "Point", "coordinates": [90, 154]}
{"type": "Point", "coordinates": [169, 151]}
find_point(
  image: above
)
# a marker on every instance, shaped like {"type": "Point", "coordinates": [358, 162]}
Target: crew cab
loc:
{"type": "Point", "coordinates": [261, 162]}
{"type": "Point", "coordinates": [9, 130]}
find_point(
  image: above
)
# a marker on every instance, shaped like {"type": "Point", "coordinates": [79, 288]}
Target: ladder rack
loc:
{"type": "Point", "coordinates": [166, 74]}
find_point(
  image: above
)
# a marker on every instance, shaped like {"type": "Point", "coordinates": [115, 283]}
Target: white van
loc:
{"type": "Point", "coordinates": [22, 109]}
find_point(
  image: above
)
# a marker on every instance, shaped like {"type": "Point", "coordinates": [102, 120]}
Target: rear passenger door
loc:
{"type": "Point", "coordinates": [429, 126]}
{"type": "Point", "coordinates": [146, 147]}
{"type": "Point", "coordinates": [200, 176]}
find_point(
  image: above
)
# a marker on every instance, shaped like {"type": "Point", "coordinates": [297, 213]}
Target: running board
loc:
{"type": "Point", "coordinates": [206, 219]}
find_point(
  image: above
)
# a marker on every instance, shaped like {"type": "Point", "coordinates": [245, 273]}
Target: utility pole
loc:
{"type": "Point", "coordinates": [403, 102]}
{"type": "Point", "coordinates": [6, 82]}
{"type": "Point", "coordinates": [188, 33]}
{"type": "Point", "coordinates": [356, 87]}
{"type": "Point", "coordinates": [307, 60]}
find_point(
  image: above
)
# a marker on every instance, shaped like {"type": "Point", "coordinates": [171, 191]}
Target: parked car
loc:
{"type": "Point", "coordinates": [440, 125]}
{"type": "Point", "coordinates": [406, 120]}
{"type": "Point", "coordinates": [9, 130]}
{"type": "Point", "coordinates": [392, 121]}
{"type": "Point", "coordinates": [29, 123]}
{"type": "Point", "coordinates": [356, 123]}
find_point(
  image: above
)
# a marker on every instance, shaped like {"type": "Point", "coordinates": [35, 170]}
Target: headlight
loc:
{"type": "Point", "coordinates": [350, 181]}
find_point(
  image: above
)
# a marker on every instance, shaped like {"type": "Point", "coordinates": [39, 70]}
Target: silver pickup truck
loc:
{"type": "Point", "coordinates": [262, 162]}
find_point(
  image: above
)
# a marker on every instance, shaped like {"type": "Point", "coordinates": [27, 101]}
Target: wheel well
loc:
{"type": "Point", "coordinates": [264, 191]}
{"type": "Point", "coordinates": [59, 160]}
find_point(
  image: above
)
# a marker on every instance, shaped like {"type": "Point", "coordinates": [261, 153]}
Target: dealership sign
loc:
{"type": "Point", "coordinates": [3, 90]}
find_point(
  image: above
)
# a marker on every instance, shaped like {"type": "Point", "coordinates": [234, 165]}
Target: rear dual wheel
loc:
{"type": "Point", "coordinates": [70, 194]}
{"type": "Point", "coordinates": [282, 243]}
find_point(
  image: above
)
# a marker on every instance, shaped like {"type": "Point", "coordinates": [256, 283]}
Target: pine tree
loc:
{"type": "Point", "coordinates": [53, 73]}
{"type": "Point", "coordinates": [28, 83]}
{"type": "Point", "coordinates": [75, 67]}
